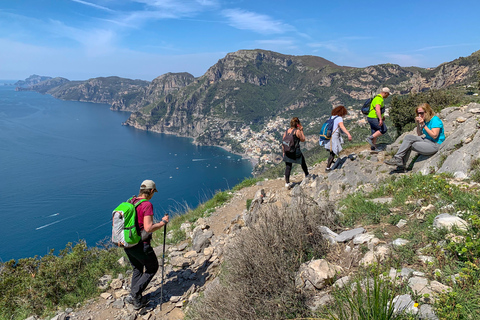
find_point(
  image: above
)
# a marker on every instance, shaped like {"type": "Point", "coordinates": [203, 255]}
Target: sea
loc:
{"type": "Point", "coordinates": [65, 165]}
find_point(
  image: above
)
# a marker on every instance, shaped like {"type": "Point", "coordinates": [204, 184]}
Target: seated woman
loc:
{"type": "Point", "coordinates": [334, 145]}
{"type": "Point", "coordinates": [430, 125]}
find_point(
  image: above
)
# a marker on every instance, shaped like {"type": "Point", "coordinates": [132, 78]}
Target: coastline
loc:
{"type": "Point", "coordinates": [244, 156]}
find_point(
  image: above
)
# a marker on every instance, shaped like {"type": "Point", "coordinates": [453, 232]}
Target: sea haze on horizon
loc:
{"type": "Point", "coordinates": [65, 165]}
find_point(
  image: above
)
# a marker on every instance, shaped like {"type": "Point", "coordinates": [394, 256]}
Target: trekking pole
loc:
{"type": "Point", "coordinates": [163, 263]}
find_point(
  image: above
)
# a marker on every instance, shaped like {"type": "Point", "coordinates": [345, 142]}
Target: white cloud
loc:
{"type": "Point", "coordinates": [94, 42]}
{"type": "Point", "coordinates": [445, 46]}
{"type": "Point", "coordinates": [246, 20]}
{"type": "Point", "coordinates": [93, 5]}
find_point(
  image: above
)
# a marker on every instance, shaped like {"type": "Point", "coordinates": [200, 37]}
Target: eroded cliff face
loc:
{"type": "Point", "coordinates": [159, 88]}
{"type": "Point", "coordinates": [249, 86]}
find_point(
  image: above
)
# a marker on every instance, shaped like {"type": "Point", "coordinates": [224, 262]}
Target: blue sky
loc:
{"type": "Point", "coordinates": [143, 39]}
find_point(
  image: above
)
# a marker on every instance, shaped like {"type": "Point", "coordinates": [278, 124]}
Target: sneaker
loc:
{"type": "Point", "coordinates": [394, 162]}
{"type": "Point", "coordinates": [328, 169]}
{"type": "Point", "coordinates": [137, 304]}
{"type": "Point", "coordinates": [289, 185]}
{"type": "Point", "coordinates": [370, 142]}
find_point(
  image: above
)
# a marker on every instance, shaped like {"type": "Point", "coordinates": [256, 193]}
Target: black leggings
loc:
{"type": "Point", "coordinates": [330, 159]}
{"type": "Point", "coordinates": [288, 169]}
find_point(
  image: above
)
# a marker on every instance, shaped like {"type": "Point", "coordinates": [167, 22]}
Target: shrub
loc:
{"type": "Point", "coordinates": [258, 275]}
{"type": "Point", "coordinates": [402, 109]}
{"type": "Point", "coordinates": [38, 285]}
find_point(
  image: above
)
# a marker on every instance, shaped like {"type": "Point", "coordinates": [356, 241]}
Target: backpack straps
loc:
{"type": "Point", "coordinates": [131, 200]}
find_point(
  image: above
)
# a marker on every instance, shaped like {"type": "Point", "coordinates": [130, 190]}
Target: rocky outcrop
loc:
{"type": "Point", "coordinates": [30, 81]}
{"type": "Point", "coordinates": [97, 90]}
{"type": "Point", "coordinates": [461, 146]}
{"type": "Point", "coordinates": [45, 85]}
{"type": "Point", "coordinates": [156, 92]}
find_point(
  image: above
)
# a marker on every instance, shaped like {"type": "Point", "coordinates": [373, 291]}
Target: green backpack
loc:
{"type": "Point", "coordinates": [125, 230]}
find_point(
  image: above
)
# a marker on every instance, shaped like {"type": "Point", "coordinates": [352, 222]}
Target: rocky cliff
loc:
{"type": "Point", "coordinates": [248, 87]}
{"type": "Point", "coordinates": [98, 90]}
{"type": "Point", "coordinates": [32, 80]}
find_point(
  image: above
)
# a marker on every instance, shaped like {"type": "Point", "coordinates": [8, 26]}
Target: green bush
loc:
{"type": "Point", "coordinates": [402, 109]}
{"type": "Point", "coordinates": [38, 285]}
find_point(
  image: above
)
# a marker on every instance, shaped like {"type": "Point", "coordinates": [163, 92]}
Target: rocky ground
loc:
{"type": "Point", "coordinates": [192, 266]}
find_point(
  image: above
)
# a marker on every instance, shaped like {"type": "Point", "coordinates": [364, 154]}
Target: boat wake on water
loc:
{"type": "Point", "coordinates": [52, 223]}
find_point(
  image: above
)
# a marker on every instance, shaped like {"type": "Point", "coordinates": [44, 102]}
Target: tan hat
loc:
{"type": "Point", "coordinates": [148, 185]}
{"type": "Point", "coordinates": [386, 90]}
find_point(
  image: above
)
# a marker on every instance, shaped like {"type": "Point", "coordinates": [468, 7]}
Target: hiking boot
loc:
{"type": "Point", "coordinates": [394, 162]}
{"type": "Point", "coordinates": [137, 303]}
{"type": "Point", "coordinates": [370, 142]}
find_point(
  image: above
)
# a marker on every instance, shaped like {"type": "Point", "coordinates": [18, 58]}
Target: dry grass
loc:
{"type": "Point", "coordinates": [258, 276]}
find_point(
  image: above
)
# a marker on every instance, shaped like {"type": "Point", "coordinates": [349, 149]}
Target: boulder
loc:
{"type": "Point", "coordinates": [448, 221]}
{"type": "Point", "coordinates": [316, 274]}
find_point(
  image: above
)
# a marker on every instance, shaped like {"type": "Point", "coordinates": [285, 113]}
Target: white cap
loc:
{"type": "Point", "coordinates": [148, 185]}
{"type": "Point", "coordinates": [386, 90]}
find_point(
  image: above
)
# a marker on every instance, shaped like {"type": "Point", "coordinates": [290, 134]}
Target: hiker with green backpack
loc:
{"type": "Point", "coordinates": [141, 255]}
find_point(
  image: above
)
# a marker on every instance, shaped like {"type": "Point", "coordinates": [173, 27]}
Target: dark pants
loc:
{"type": "Point", "coordinates": [288, 169]}
{"type": "Point", "coordinates": [374, 125]}
{"type": "Point", "coordinates": [330, 159]}
{"type": "Point", "coordinates": [145, 266]}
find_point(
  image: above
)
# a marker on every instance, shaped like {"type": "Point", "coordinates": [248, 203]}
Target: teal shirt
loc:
{"type": "Point", "coordinates": [435, 122]}
{"type": "Point", "coordinates": [377, 100]}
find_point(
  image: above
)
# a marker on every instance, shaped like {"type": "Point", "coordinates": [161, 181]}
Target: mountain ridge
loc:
{"type": "Point", "coordinates": [247, 88]}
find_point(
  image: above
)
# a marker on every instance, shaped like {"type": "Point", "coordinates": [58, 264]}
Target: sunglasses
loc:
{"type": "Point", "coordinates": [421, 113]}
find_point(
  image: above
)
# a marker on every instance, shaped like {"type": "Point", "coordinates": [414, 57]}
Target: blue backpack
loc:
{"type": "Point", "coordinates": [327, 130]}
{"type": "Point", "coordinates": [366, 106]}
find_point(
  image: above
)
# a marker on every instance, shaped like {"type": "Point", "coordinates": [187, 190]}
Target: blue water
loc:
{"type": "Point", "coordinates": [64, 166]}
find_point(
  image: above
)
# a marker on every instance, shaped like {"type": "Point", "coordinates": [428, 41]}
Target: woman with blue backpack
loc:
{"type": "Point", "coordinates": [334, 145]}
{"type": "Point", "coordinates": [291, 149]}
